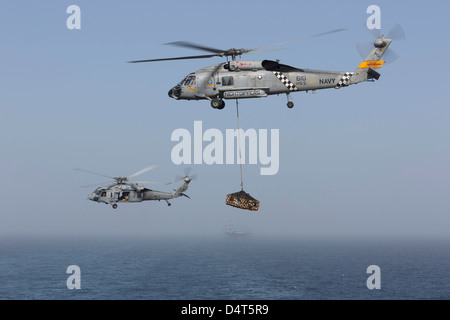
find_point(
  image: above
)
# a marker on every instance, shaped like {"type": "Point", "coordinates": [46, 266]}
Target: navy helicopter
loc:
{"type": "Point", "coordinates": [125, 190]}
{"type": "Point", "coordinates": [239, 79]}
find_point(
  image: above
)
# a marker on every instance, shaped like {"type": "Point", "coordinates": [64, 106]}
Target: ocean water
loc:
{"type": "Point", "coordinates": [223, 268]}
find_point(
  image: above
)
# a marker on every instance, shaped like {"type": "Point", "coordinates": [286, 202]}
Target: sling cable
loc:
{"type": "Point", "coordinates": [241, 199]}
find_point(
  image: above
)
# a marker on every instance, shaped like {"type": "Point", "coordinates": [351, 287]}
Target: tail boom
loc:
{"type": "Point", "coordinates": [365, 70]}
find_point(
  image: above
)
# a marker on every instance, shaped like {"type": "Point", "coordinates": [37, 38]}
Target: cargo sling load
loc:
{"type": "Point", "coordinates": [241, 199]}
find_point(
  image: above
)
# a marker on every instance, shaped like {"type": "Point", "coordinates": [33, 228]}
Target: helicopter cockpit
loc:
{"type": "Point", "coordinates": [189, 81]}
{"type": "Point", "coordinates": [97, 193]}
{"type": "Point", "coordinates": [185, 87]}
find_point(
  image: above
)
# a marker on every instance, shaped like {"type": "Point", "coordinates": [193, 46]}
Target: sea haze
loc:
{"type": "Point", "coordinates": [223, 268]}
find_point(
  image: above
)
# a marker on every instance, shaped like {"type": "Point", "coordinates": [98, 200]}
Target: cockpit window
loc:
{"type": "Point", "coordinates": [190, 81]}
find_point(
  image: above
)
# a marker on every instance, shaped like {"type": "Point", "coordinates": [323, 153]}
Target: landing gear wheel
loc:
{"type": "Point", "coordinates": [169, 204]}
{"type": "Point", "coordinates": [217, 104]}
{"type": "Point", "coordinates": [114, 206]}
{"type": "Point", "coordinates": [290, 104]}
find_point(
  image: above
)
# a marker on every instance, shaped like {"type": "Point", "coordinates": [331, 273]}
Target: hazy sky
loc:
{"type": "Point", "coordinates": [370, 160]}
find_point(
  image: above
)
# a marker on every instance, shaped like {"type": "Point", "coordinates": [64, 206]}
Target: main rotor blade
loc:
{"type": "Point", "coordinates": [152, 182]}
{"type": "Point", "coordinates": [195, 46]}
{"type": "Point", "coordinates": [143, 170]}
{"type": "Point", "coordinates": [91, 172]}
{"type": "Point", "coordinates": [299, 39]}
{"type": "Point", "coordinates": [97, 184]}
{"type": "Point", "coordinates": [177, 58]}
{"type": "Point", "coordinates": [263, 51]}
{"type": "Point", "coordinates": [229, 52]}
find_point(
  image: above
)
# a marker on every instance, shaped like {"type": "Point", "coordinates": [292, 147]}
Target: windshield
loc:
{"type": "Point", "coordinates": [99, 191]}
{"type": "Point", "coordinates": [190, 81]}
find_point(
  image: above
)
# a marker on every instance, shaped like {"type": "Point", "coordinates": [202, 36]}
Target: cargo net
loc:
{"type": "Point", "coordinates": [242, 200]}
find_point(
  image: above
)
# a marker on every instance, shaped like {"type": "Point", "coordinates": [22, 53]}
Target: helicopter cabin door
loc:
{"type": "Point", "coordinates": [124, 196]}
{"type": "Point", "coordinates": [112, 195]}
{"type": "Point", "coordinates": [135, 196]}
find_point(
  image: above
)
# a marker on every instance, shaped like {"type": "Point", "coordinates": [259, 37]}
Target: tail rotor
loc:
{"type": "Point", "coordinates": [187, 176]}
{"type": "Point", "coordinates": [396, 33]}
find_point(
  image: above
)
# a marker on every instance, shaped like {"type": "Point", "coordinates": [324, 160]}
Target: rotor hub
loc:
{"type": "Point", "coordinates": [380, 43]}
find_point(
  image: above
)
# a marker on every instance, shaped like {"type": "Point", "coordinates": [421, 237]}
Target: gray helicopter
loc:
{"type": "Point", "coordinates": [255, 79]}
{"type": "Point", "coordinates": [125, 190]}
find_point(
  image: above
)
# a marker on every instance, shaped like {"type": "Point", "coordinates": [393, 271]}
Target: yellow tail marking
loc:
{"type": "Point", "coordinates": [371, 64]}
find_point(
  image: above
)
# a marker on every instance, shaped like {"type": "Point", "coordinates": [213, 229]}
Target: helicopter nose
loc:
{"type": "Point", "coordinates": [175, 92]}
{"type": "Point", "coordinates": [92, 196]}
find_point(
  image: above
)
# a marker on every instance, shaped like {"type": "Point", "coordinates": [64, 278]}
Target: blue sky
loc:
{"type": "Point", "coordinates": [371, 160]}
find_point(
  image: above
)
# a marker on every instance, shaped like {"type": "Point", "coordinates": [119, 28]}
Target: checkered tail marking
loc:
{"type": "Point", "coordinates": [343, 82]}
{"type": "Point", "coordinates": [284, 80]}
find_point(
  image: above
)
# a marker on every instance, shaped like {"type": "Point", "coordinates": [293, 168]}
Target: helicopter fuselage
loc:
{"type": "Point", "coordinates": [252, 79]}
{"type": "Point", "coordinates": [124, 192]}
{"type": "Point", "coordinates": [256, 79]}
